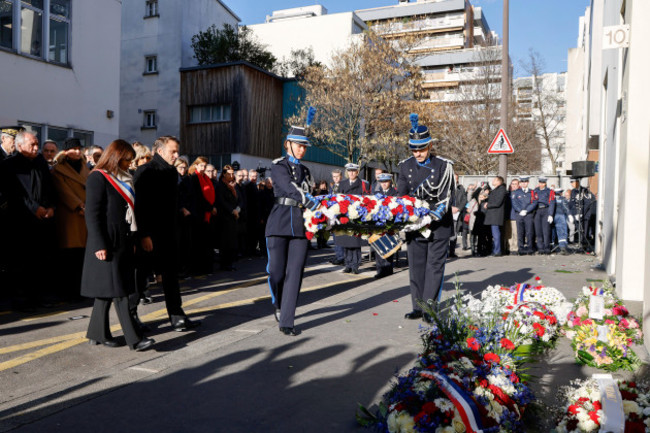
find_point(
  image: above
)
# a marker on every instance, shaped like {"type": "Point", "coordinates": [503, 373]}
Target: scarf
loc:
{"type": "Point", "coordinates": [123, 184]}
{"type": "Point", "coordinates": [207, 188]}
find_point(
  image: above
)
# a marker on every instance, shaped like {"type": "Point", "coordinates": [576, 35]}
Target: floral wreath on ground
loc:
{"type": "Point", "coordinates": [363, 216]}
{"type": "Point", "coordinates": [465, 379]}
{"type": "Point", "coordinates": [584, 408]}
{"type": "Point", "coordinates": [603, 343]}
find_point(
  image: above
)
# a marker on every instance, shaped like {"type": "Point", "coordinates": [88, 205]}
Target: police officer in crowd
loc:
{"type": "Point", "coordinates": [384, 266]}
{"type": "Point", "coordinates": [352, 244]}
{"type": "Point", "coordinates": [429, 178]}
{"type": "Point", "coordinates": [560, 219]}
{"type": "Point", "coordinates": [544, 215]}
{"type": "Point", "coordinates": [583, 207]}
{"type": "Point", "coordinates": [7, 143]}
{"type": "Point", "coordinates": [524, 204]}
{"type": "Point", "coordinates": [285, 230]}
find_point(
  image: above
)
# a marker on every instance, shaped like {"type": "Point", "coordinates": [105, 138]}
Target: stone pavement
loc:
{"type": "Point", "coordinates": [239, 374]}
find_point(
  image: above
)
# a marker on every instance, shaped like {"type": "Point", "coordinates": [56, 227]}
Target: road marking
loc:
{"type": "Point", "coordinates": [148, 370]}
{"type": "Point", "coordinates": [67, 341]}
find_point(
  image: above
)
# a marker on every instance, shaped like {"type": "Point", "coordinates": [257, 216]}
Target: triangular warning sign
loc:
{"type": "Point", "coordinates": [501, 144]}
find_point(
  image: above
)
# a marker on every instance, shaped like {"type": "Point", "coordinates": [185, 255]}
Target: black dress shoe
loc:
{"type": "Point", "coordinates": [276, 313]}
{"type": "Point", "coordinates": [354, 271]}
{"type": "Point", "coordinates": [336, 262]}
{"type": "Point", "coordinates": [347, 270]}
{"type": "Point", "coordinates": [185, 324]}
{"type": "Point", "coordinates": [415, 314]}
{"type": "Point", "coordinates": [427, 318]}
{"type": "Point", "coordinates": [143, 344]}
{"type": "Point", "coordinates": [146, 300]}
{"type": "Point", "coordinates": [290, 331]}
{"type": "Point", "coordinates": [107, 343]}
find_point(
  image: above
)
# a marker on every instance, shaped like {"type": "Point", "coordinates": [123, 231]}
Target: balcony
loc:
{"type": "Point", "coordinates": [439, 43]}
{"type": "Point", "coordinates": [424, 26]}
{"type": "Point", "coordinates": [441, 79]}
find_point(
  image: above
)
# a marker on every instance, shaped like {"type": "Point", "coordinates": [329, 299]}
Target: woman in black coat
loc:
{"type": "Point", "coordinates": [227, 215]}
{"type": "Point", "coordinates": [201, 205]}
{"type": "Point", "coordinates": [351, 244]}
{"type": "Point", "coordinates": [108, 272]}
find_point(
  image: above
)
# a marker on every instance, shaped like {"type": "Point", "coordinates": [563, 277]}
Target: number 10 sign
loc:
{"type": "Point", "coordinates": [616, 37]}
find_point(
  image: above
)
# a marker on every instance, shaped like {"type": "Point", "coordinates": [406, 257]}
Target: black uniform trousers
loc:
{"type": "Point", "coordinates": [542, 230]}
{"type": "Point", "coordinates": [352, 258]}
{"type": "Point", "coordinates": [287, 256]}
{"type": "Point", "coordinates": [164, 259]}
{"type": "Point", "coordinates": [384, 266]}
{"type": "Point", "coordinates": [525, 233]}
{"type": "Point", "coordinates": [426, 268]}
{"type": "Point", "coordinates": [99, 329]}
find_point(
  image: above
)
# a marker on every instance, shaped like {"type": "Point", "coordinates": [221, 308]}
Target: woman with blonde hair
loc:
{"type": "Point", "coordinates": [142, 155]}
{"type": "Point", "coordinates": [108, 271]}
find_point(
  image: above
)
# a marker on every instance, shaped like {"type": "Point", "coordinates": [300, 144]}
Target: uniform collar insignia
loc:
{"type": "Point", "coordinates": [293, 159]}
{"type": "Point", "coordinates": [425, 163]}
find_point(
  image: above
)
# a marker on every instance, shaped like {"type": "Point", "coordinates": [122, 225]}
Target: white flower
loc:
{"type": "Point", "coordinates": [458, 425]}
{"type": "Point", "coordinates": [443, 404]}
{"type": "Point", "coordinates": [588, 425]}
{"type": "Point", "coordinates": [631, 407]}
{"type": "Point", "coordinates": [400, 422]}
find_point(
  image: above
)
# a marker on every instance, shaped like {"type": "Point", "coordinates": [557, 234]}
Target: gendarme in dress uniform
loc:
{"type": "Point", "coordinates": [429, 178]}
{"type": "Point", "coordinates": [285, 230]}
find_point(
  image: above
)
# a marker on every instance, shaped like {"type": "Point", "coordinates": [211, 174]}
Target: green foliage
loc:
{"type": "Point", "coordinates": [229, 45]}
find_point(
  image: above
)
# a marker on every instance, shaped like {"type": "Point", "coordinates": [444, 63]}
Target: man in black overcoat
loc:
{"type": "Point", "coordinates": [28, 191]}
{"type": "Point", "coordinates": [384, 266]}
{"type": "Point", "coordinates": [495, 214]}
{"type": "Point", "coordinates": [156, 191]}
{"type": "Point", "coordinates": [429, 178]}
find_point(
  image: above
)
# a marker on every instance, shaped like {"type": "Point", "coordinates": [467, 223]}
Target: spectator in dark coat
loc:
{"type": "Point", "coordinates": [495, 213]}
{"type": "Point", "coordinates": [108, 271]}
{"type": "Point", "coordinates": [26, 186]}
{"type": "Point", "coordinates": [457, 209]}
{"type": "Point", "coordinates": [227, 215]}
{"type": "Point", "coordinates": [201, 205]}
{"type": "Point", "coordinates": [253, 220]}
{"type": "Point", "coordinates": [156, 186]}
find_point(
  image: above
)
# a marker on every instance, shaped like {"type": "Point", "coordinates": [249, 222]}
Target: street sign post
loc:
{"type": "Point", "coordinates": [501, 144]}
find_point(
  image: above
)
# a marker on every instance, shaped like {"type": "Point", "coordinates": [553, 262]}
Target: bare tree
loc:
{"type": "Point", "coordinates": [548, 108]}
{"type": "Point", "coordinates": [363, 101]}
{"type": "Point", "coordinates": [468, 123]}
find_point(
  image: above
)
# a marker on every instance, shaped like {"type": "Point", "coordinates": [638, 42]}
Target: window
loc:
{"type": "Point", "coordinates": [151, 8]}
{"type": "Point", "coordinates": [150, 64]}
{"type": "Point", "coordinates": [6, 24]}
{"type": "Point", "coordinates": [149, 119]}
{"type": "Point", "coordinates": [59, 30]}
{"type": "Point", "coordinates": [210, 113]}
{"type": "Point", "coordinates": [85, 137]}
{"type": "Point", "coordinates": [31, 27]}
{"type": "Point", "coordinates": [56, 133]}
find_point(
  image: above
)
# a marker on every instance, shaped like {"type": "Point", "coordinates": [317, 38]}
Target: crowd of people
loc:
{"type": "Point", "coordinates": [74, 211]}
{"type": "Point", "coordinates": [493, 220]}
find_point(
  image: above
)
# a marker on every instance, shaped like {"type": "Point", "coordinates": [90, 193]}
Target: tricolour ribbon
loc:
{"type": "Point", "coordinates": [465, 405]}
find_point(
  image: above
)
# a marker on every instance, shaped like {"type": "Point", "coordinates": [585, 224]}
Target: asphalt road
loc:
{"type": "Point", "coordinates": [237, 372]}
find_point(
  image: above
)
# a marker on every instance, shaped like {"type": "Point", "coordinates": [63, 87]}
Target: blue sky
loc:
{"type": "Point", "coordinates": [548, 26]}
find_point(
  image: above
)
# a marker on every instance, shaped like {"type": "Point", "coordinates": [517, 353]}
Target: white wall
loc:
{"type": "Point", "coordinates": [169, 37]}
{"type": "Point", "coordinates": [326, 34]}
{"type": "Point", "coordinates": [77, 97]}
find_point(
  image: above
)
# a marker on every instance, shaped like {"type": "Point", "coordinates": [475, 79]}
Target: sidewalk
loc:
{"type": "Point", "coordinates": [252, 378]}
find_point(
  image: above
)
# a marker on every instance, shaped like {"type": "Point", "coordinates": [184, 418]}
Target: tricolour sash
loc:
{"type": "Point", "coordinates": [122, 188]}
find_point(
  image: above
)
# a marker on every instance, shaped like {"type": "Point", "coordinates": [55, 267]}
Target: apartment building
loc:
{"type": "Point", "coordinates": [542, 100]}
{"type": "Point", "coordinates": [455, 45]}
{"type": "Point", "coordinates": [609, 123]}
{"type": "Point", "coordinates": [323, 33]}
{"type": "Point", "coordinates": [54, 81]}
{"type": "Point", "coordinates": [156, 43]}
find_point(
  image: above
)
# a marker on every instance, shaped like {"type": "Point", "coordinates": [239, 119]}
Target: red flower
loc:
{"type": "Point", "coordinates": [419, 416]}
{"type": "Point", "coordinates": [472, 343]}
{"type": "Point", "coordinates": [539, 329]}
{"type": "Point", "coordinates": [344, 220]}
{"type": "Point", "coordinates": [484, 383]}
{"type": "Point", "coordinates": [323, 202]}
{"type": "Point", "coordinates": [537, 278]}
{"type": "Point", "coordinates": [587, 322]}
{"type": "Point", "coordinates": [507, 344]}
{"type": "Point", "coordinates": [597, 405]}
{"type": "Point", "coordinates": [631, 384]}
{"type": "Point", "coordinates": [634, 427]}
{"type": "Point", "coordinates": [540, 315]}
{"type": "Point", "coordinates": [627, 395]}
{"type": "Point", "coordinates": [594, 417]}
{"type": "Point", "coordinates": [429, 407]}
{"type": "Point", "coordinates": [309, 235]}
{"type": "Point", "coordinates": [573, 409]}
{"type": "Point", "coordinates": [492, 357]}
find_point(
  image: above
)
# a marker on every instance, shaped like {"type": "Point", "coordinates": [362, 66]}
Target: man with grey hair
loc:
{"type": "Point", "coordinates": [26, 185]}
{"type": "Point", "coordinates": [49, 151]}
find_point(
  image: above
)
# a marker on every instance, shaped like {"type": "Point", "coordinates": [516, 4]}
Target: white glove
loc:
{"type": "Point", "coordinates": [571, 219]}
{"type": "Point", "coordinates": [523, 213]}
{"type": "Point", "coordinates": [550, 219]}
